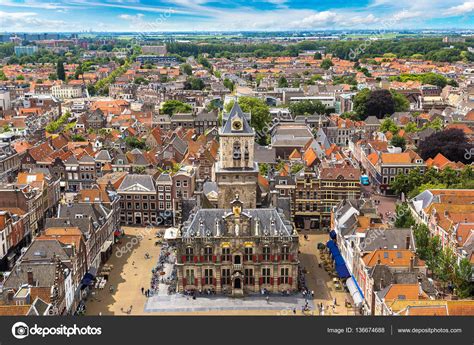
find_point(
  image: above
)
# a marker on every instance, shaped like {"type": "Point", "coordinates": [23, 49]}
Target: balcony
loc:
{"type": "Point", "coordinates": [237, 267]}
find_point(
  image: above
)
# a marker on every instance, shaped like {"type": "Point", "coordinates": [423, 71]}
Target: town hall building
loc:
{"type": "Point", "coordinates": [237, 248]}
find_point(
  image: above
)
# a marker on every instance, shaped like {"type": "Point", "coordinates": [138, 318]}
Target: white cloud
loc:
{"type": "Point", "coordinates": [138, 16]}
{"type": "Point", "coordinates": [464, 8]}
{"type": "Point", "coordinates": [27, 21]}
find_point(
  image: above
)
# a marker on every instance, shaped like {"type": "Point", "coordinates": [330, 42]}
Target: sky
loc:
{"type": "Point", "coordinates": [226, 15]}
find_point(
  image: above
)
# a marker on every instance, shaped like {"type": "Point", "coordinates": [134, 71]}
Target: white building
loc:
{"type": "Point", "coordinates": [66, 91]}
{"type": "Point", "coordinates": [5, 103]}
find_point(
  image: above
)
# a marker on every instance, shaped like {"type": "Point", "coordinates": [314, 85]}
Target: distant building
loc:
{"type": "Point", "coordinates": [5, 103]}
{"type": "Point", "coordinates": [25, 50]}
{"type": "Point", "coordinates": [158, 50]}
{"type": "Point", "coordinates": [449, 39]}
{"type": "Point", "coordinates": [156, 59]}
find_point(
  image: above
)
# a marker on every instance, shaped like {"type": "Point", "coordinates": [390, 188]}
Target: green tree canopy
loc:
{"type": "Point", "coordinates": [174, 106]}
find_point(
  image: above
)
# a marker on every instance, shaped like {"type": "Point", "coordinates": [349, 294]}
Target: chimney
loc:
{"type": "Point", "coordinates": [408, 242]}
{"type": "Point", "coordinates": [10, 295]}
{"type": "Point", "coordinates": [420, 290]}
{"type": "Point", "coordinates": [412, 264]}
{"type": "Point", "coordinates": [30, 277]}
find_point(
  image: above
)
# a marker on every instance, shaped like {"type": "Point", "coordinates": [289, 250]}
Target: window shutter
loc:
{"type": "Point", "coordinates": [254, 258]}
{"type": "Point", "coordinates": [213, 258]}
{"type": "Point", "coordinates": [290, 280]}
{"type": "Point", "coordinates": [203, 281]}
{"type": "Point", "coordinates": [196, 281]}
{"type": "Point", "coordinates": [195, 259]}
{"type": "Point", "coordinates": [260, 257]}
{"type": "Point", "coordinates": [202, 258]}
{"type": "Point", "coordinates": [185, 282]}
{"type": "Point", "coordinates": [290, 257]}
{"type": "Point", "coordinates": [260, 280]}
{"type": "Point", "coordinates": [271, 257]}
{"type": "Point", "coordinates": [183, 258]}
{"type": "Point", "coordinates": [271, 281]}
{"type": "Point", "coordinates": [213, 281]}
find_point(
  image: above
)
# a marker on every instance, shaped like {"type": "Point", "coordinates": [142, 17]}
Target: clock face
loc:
{"type": "Point", "coordinates": [237, 125]}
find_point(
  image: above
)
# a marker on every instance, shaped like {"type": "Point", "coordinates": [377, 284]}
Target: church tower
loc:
{"type": "Point", "coordinates": [236, 171]}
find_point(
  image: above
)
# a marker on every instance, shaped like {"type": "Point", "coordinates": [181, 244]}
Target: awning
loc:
{"type": "Point", "coordinates": [339, 260]}
{"type": "Point", "coordinates": [106, 245]}
{"type": "Point", "coordinates": [342, 271]}
{"type": "Point", "coordinates": [354, 290]}
{"type": "Point", "coordinates": [171, 234]}
{"type": "Point", "coordinates": [333, 235]}
{"type": "Point", "coordinates": [87, 280]}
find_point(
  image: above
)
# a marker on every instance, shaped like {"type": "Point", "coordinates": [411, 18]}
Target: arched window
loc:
{"type": "Point", "coordinates": [236, 154]}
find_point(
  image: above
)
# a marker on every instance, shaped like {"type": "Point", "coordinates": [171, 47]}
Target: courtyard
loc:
{"type": "Point", "coordinates": [132, 271]}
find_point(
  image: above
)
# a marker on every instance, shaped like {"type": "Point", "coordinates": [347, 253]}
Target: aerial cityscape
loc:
{"type": "Point", "coordinates": [271, 158]}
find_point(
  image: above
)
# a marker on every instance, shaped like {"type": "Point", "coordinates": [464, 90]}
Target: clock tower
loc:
{"type": "Point", "coordinates": [236, 171]}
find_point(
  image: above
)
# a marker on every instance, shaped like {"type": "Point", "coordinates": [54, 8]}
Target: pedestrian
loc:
{"type": "Point", "coordinates": [294, 311]}
{"type": "Point", "coordinates": [312, 293]}
{"type": "Point", "coordinates": [143, 290]}
{"type": "Point", "coordinates": [335, 301]}
{"type": "Point", "coordinates": [268, 299]}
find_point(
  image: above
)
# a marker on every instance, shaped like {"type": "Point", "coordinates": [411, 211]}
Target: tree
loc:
{"type": "Point", "coordinates": [263, 169]}
{"type": "Point", "coordinates": [398, 141]}
{"type": "Point", "coordinates": [400, 102]}
{"type": "Point", "coordinates": [135, 143]}
{"type": "Point", "coordinates": [388, 125]}
{"type": "Point", "coordinates": [462, 279]}
{"type": "Point", "coordinates": [259, 110]}
{"type": "Point", "coordinates": [307, 107]}
{"type": "Point", "coordinates": [318, 56]}
{"type": "Point", "coordinates": [229, 84]}
{"type": "Point", "coordinates": [451, 143]}
{"type": "Point", "coordinates": [193, 83]}
{"type": "Point", "coordinates": [296, 168]}
{"type": "Point", "coordinates": [404, 219]}
{"type": "Point", "coordinates": [326, 64]}
{"type": "Point", "coordinates": [139, 170]}
{"type": "Point", "coordinates": [282, 82]}
{"type": "Point", "coordinates": [405, 183]}
{"type": "Point", "coordinates": [411, 127]}
{"type": "Point", "coordinates": [374, 103]}
{"type": "Point", "coordinates": [187, 69]}
{"type": "Point", "coordinates": [428, 247]}
{"type": "Point", "coordinates": [60, 70]}
{"type": "Point", "coordinates": [174, 106]}
{"type": "Point", "coordinates": [77, 137]}
{"type": "Point", "coordinates": [445, 267]}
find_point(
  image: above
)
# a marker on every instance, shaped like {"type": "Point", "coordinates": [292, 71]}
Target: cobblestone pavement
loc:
{"type": "Point", "coordinates": [132, 271]}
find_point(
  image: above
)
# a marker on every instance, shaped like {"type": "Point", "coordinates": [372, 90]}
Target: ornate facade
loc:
{"type": "Point", "coordinates": [236, 170]}
{"type": "Point", "coordinates": [237, 251]}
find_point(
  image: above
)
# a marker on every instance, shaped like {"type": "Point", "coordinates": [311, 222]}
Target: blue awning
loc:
{"type": "Point", "coordinates": [87, 280]}
{"type": "Point", "coordinates": [342, 271]}
{"type": "Point", "coordinates": [330, 244]}
{"type": "Point", "coordinates": [339, 260]}
{"type": "Point", "coordinates": [333, 235]}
